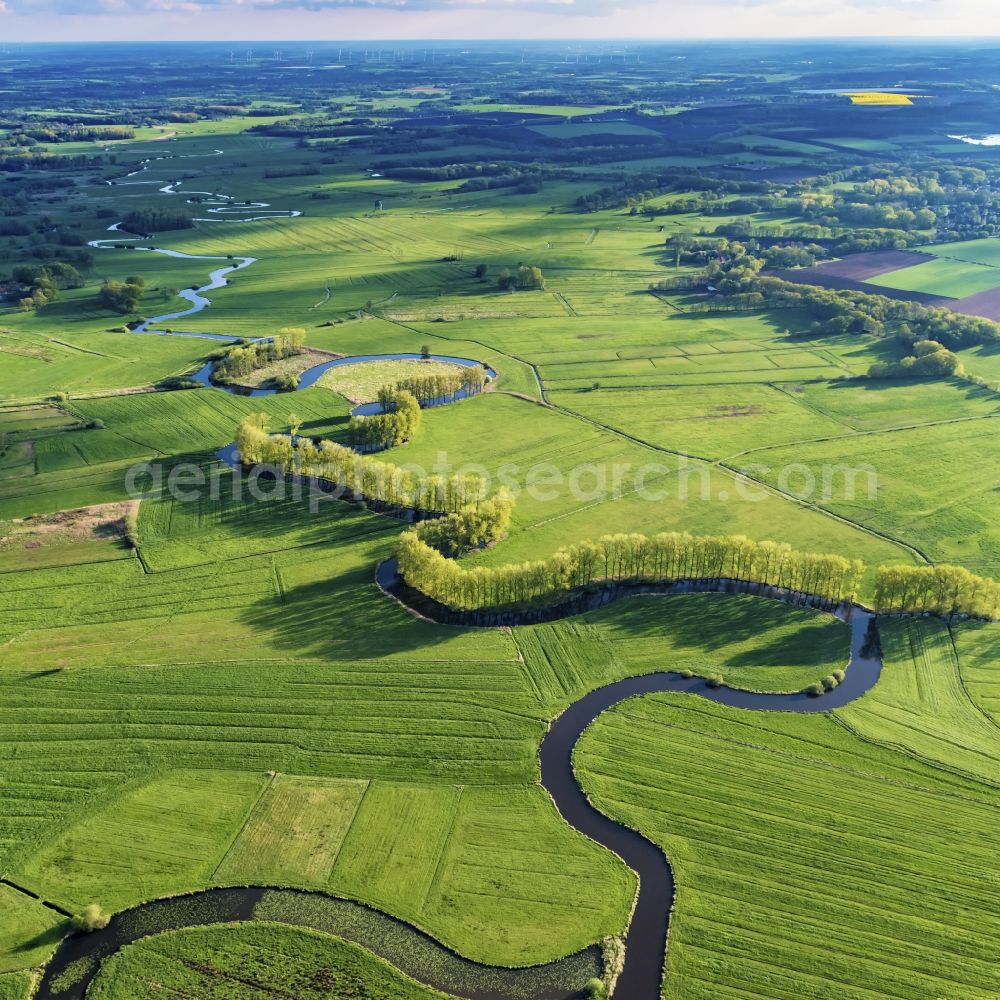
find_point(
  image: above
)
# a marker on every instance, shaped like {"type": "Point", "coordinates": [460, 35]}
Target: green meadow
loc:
{"type": "Point", "coordinates": [949, 276]}
{"type": "Point", "coordinates": [211, 690]}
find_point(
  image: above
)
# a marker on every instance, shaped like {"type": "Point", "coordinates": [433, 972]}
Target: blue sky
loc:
{"type": "Point", "coordinates": [80, 20]}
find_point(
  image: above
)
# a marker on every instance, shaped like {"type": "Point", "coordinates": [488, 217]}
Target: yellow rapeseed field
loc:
{"type": "Point", "coordinates": [874, 97]}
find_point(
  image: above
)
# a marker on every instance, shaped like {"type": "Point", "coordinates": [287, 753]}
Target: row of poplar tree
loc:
{"type": "Point", "coordinates": [472, 519]}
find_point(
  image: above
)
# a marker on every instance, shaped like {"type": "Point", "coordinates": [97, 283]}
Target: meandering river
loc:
{"type": "Point", "coordinates": [646, 943]}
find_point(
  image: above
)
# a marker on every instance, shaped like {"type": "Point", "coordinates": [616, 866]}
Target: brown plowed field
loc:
{"type": "Point", "coordinates": [862, 266]}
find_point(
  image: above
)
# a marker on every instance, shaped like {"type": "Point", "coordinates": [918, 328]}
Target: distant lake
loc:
{"type": "Point", "coordinates": [987, 140]}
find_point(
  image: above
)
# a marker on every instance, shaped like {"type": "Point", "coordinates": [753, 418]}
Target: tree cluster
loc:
{"type": "Point", "coordinates": [635, 190]}
{"type": "Point", "coordinates": [525, 278]}
{"type": "Point", "coordinates": [943, 590]}
{"type": "Point", "coordinates": [80, 133]}
{"type": "Point", "coordinates": [397, 422]}
{"type": "Point", "coordinates": [839, 311]}
{"type": "Point", "coordinates": [35, 285]}
{"type": "Point", "coordinates": [436, 388]}
{"type": "Point", "coordinates": [361, 475]}
{"type": "Point", "coordinates": [146, 221]}
{"type": "Point", "coordinates": [929, 359]}
{"type": "Point", "coordinates": [240, 360]}
{"type": "Point", "coordinates": [122, 296]}
{"type": "Point", "coordinates": [475, 526]}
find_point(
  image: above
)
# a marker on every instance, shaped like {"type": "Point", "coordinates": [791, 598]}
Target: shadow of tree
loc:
{"type": "Point", "coordinates": [346, 617]}
{"type": "Point", "coordinates": [48, 938]}
{"type": "Point", "coordinates": [717, 623]}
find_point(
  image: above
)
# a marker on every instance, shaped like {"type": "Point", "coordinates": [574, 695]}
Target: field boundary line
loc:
{"type": "Point", "coordinates": [354, 815]}
{"type": "Point", "coordinates": [123, 783]}
{"type": "Point", "coordinates": [808, 407]}
{"type": "Point", "coordinates": [859, 434]}
{"type": "Point", "coordinates": [930, 762]}
{"type": "Point", "coordinates": [721, 464]}
{"type": "Point", "coordinates": [347, 833]}
{"type": "Point", "coordinates": [278, 582]}
{"type": "Point", "coordinates": [526, 670]}
{"type": "Point", "coordinates": [560, 297]}
{"type": "Point", "coordinates": [62, 911]}
{"type": "Point", "coordinates": [84, 350]}
{"type": "Point", "coordinates": [874, 532]}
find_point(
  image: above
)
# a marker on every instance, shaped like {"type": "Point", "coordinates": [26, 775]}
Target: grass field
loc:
{"type": "Point", "coordinates": [787, 836]}
{"type": "Point", "coordinates": [30, 931]}
{"type": "Point", "coordinates": [702, 421]}
{"type": "Point", "coordinates": [16, 986]}
{"type": "Point", "coordinates": [877, 406]}
{"type": "Point", "coordinates": [90, 466]}
{"type": "Point", "coordinates": [571, 493]}
{"type": "Point", "coordinates": [251, 961]}
{"type": "Point", "coordinates": [977, 649]}
{"type": "Point", "coordinates": [986, 252]}
{"type": "Point", "coordinates": [424, 852]}
{"type": "Point", "coordinates": [36, 419]}
{"type": "Point", "coordinates": [908, 467]}
{"type": "Point", "coordinates": [37, 364]}
{"type": "Point", "coordinates": [759, 645]}
{"type": "Point", "coordinates": [949, 276]}
{"type": "Point", "coordinates": [299, 824]}
{"type": "Point", "coordinates": [921, 705]}
{"type": "Point", "coordinates": [463, 722]}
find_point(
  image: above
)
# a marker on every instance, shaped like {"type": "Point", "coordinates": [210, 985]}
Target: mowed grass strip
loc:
{"type": "Point", "coordinates": [36, 419]}
{"type": "Point", "coordinates": [295, 833]}
{"type": "Point", "coordinates": [395, 843]}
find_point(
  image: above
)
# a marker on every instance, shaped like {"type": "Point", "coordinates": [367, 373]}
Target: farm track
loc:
{"type": "Point", "coordinates": [722, 464]}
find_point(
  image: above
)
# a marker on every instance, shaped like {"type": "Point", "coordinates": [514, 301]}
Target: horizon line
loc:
{"type": "Point", "coordinates": [574, 40]}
